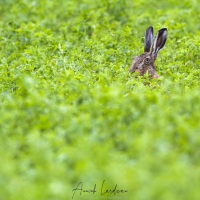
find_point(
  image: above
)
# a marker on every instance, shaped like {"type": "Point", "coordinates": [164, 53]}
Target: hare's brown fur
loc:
{"type": "Point", "coordinates": [145, 62]}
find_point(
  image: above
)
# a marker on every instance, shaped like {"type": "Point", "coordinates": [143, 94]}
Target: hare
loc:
{"type": "Point", "coordinates": [145, 62]}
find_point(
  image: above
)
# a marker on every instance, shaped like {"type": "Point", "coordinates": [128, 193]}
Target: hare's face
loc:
{"type": "Point", "coordinates": [144, 63]}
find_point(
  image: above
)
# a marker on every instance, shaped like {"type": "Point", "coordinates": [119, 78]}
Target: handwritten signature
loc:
{"type": "Point", "coordinates": [79, 188]}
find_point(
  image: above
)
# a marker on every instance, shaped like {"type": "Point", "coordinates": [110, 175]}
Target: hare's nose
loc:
{"type": "Point", "coordinates": [155, 76]}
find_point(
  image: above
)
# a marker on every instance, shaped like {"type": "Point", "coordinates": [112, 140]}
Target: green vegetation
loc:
{"type": "Point", "coordinates": [71, 112]}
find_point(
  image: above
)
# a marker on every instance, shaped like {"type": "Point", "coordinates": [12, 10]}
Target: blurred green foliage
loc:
{"type": "Point", "coordinates": [71, 112]}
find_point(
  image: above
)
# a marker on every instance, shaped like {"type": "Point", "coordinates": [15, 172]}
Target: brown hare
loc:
{"type": "Point", "coordinates": [145, 62]}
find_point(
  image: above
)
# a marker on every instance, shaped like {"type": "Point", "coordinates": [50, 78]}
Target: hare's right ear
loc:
{"type": "Point", "coordinates": [148, 39]}
{"type": "Point", "coordinates": [159, 41]}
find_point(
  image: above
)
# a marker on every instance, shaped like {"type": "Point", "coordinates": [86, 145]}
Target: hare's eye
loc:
{"type": "Point", "coordinates": [146, 60]}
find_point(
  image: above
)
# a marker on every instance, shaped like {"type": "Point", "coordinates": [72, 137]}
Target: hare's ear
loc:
{"type": "Point", "coordinates": [159, 41]}
{"type": "Point", "coordinates": [148, 39]}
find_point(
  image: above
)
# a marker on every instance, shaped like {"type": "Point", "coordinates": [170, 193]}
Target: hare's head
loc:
{"type": "Point", "coordinates": [145, 62]}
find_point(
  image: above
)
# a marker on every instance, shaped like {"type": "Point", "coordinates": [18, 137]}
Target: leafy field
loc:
{"type": "Point", "coordinates": [71, 112]}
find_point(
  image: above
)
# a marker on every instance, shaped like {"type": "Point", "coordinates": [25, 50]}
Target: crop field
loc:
{"type": "Point", "coordinates": [75, 124]}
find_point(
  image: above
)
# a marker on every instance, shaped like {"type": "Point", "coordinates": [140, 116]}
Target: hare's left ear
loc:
{"type": "Point", "coordinates": [159, 41]}
{"type": "Point", "coordinates": [148, 39]}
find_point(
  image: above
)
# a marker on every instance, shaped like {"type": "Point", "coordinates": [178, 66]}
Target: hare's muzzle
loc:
{"type": "Point", "coordinates": [155, 76]}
